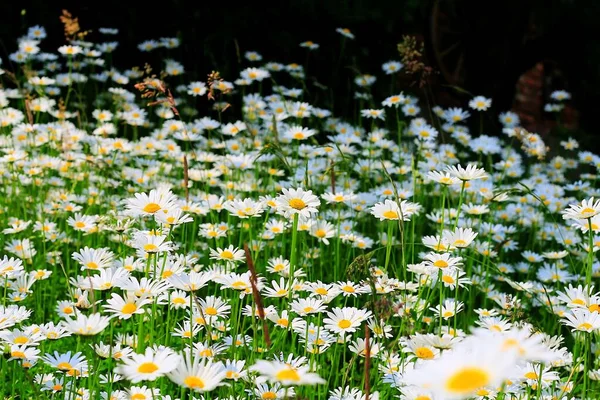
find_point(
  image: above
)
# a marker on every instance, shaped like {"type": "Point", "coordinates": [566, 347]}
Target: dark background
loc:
{"type": "Point", "coordinates": [500, 41]}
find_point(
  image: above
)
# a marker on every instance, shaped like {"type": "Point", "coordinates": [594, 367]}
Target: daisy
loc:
{"type": "Point", "coordinates": [124, 308]}
{"type": "Point", "coordinates": [84, 223]}
{"type": "Point", "coordinates": [22, 352]}
{"type": "Point", "coordinates": [588, 209]}
{"type": "Point", "coordinates": [309, 45]}
{"type": "Point", "coordinates": [390, 210]}
{"type": "Point", "coordinates": [372, 113]}
{"type": "Point", "coordinates": [349, 288]}
{"type": "Point", "coordinates": [87, 325]}
{"type": "Point", "coordinates": [230, 254]}
{"type": "Point", "coordinates": [460, 238]}
{"type": "Point", "coordinates": [475, 363]}
{"type": "Point", "coordinates": [147, 243]}
{"type": "Point", "coordinates": [442, 261]}
{"type": "Point", "coordinates": [66, 362]}
{"type": "Point", "coordinates": [338, 197]}
{"type": "Point", "coordinates": [297, 132]}
{"type": "Point", "coordinates": [466, 174]}
{"type": "Point", "coordinates": [454, 115]}
{"type": "Point", "coordinates": [581, 319]}
{"type": "Point", "coordinates": [234, 369]}
{"type": "Point", "coordinates": [560, 95]}
{"type": "Point", "coordinates": [392, 67]}
{"type": "Point", "coordinates": [285, 374]}
{"type": "Point", "coordinates": [394, 101]}
{"type": "Point", "coordinates": [297, 201]}
{"type": "Point", "coordinates": [215, 307]}
{"type": "Point", "coordinates": [345, 320]}
{"type": "Point", "coordinates": [149, 204]}
{"type": "Point", "coordinates": [323, 231]}
{"type": "Point", "coordinates": [345, 32]}
{"type": "Point", "coordinates": [245, 208]}
{"type": "Point", "coordinates": [94, 259]}
{"type": "Point", "coordinates": [480, 103]}
{"type": "Point", "coordinates": [449, 309]}
{"type": "Point", "coordinates": [149, 366]}
{"type": "Point", "coordinates": [278, 265]}
{"type": "Point", "coordinates": [68, 50]}
{"type": "Point", "coordinates": [198, 374]}
{"type": "Point", "coordinates": [443, 177]}
{"type": "Point", "coordinates": [308, 306]}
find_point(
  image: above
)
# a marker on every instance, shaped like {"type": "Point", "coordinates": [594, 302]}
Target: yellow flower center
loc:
{"type": "Point", "coordinates": [18, 354]}
{"type": "Point", "coordinates": [227, 254]}
{"type": "Point", "coordinates": [129, 308]}
{"type": "Point", "coordinates": [344, 324]}
{"type": "Point", "coordinates": [448, 279]}
{"type": "Point", "coordinates": [297, 204]}
{"type": "Point", "coordinates": [147, 368]}
{"type": "Point", "coordinates": [321, 291]}
{"type": "Point", "coordinates": [210, 311]}
{"type": "Point", "coordinates": [288, 375]}
{"type": "Point", "coordinates": [268, 395]}
{"type": "Point", "coordinates": [239, 285]}
{"type": "Point", "coordinates": [21, 340]}
{"type": "Point", "coordinates": [320, 233]}
{"type": "Point", "coordinates": [390, 214]}
{"type": "Point", "coordinates": [283, 322]}
{"type": "Point", "coordinates": [531, 375]}
{"type": "Point", "coordinates": [151, 208]}
{"type": "Point", "coordinates": [64, 366]}
{"type": "Point", "coordinates": [79, 224]}
{"type": "Point", "coordinates": [440, 264]}
{"type": "Point", "coordinates": [424, 353]}
{"type": "Point", "coordinates": [466, 380]}
{"type": "Point", "coordinates": [92, 265]}
{"type": "Point", "coordinates": [580, 302]}
{"type": "Point", "coordinates": [193, 382]}
{"type": "Point", "coordinates": [586, 326]}
{"type": "Point", "coordinates": [150, 247]}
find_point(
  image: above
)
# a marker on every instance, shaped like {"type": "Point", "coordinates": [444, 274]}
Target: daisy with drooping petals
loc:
{"type": "Point", "coordinates": [198, 374]}
{"type": "Point", "coordinates": [443, 177]}
{"type": "Point", "coordinates": [460, 238]}
{"type": "Point", "coordinates": [285, 374]}
{"type": "Point", "coordinates": [149, 366]}
{"type": "Point", "coordinates": [466, 174]}
{"type": "Point", "coordinates": [297, 132]}
{"type": "Point", "coordinates": [581, 319]}
{"type": "Point", "coordinates": [94, 259]}
{"type": "Point", "coordinates": [147, 243]}
{"type": "Point", "coordinates": [87, 325]}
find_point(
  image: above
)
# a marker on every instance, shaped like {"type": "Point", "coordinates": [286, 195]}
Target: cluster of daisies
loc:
{"type": "Point", "coordinates": [274, 251]}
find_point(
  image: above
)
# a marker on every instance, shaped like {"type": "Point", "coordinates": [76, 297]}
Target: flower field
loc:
{"type": "Point", "coordinates": [227, 238]}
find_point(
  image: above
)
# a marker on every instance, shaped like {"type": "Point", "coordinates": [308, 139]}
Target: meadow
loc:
{"type": "Point", "coordinates": [230, 238]}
